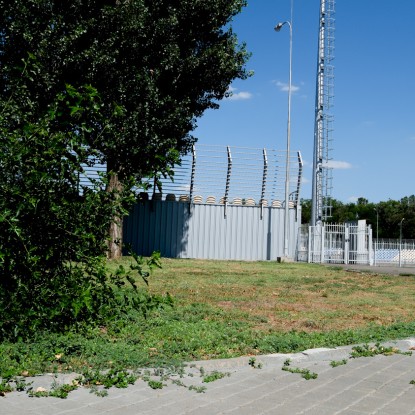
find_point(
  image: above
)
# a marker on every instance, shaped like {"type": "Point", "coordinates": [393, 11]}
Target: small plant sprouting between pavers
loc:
{"type": "Point", "coordinates": [5, 387]}
{"type": "Point", "coordinates": [198, 389]}
{"type": "Point", "coordinates": [252, 362]}
{"type": "Point", "coordinates": [101, 393]}
{"type": "Point", "coordinates": [335, 363]}
{"type": "Point", "coordinates": [20, 384]}
{"type": "Point", "coordinates": [57, 390]}
{"type": "Point", "coordinates": [202, 371]}
{"type": "Point", "coordinates": [112, 378]}
{"type": "Point", "coordinates": [368, 351]}
{"type": "Point", "coordinates": [305, 373]}
{"type": "Point", "coordinates": [99, 382]}
{"type": "Point", "coordinates": [155, 384]}
{"type": "Point", "coordinates": [215, 375]}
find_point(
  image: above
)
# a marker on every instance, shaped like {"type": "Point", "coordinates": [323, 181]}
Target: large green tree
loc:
{"type": "Point", "coordinates": [162, 62]}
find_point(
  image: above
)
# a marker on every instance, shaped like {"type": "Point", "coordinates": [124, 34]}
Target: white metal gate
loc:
{"type": "Point", "coordinates": [347, 243]}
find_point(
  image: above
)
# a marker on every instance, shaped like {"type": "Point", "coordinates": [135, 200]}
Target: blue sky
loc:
{"type": "Point", "coordinates": [374, 105]}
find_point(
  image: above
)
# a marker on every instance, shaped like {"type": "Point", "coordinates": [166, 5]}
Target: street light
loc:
{"type": "Point", "coordinates": [277, 28]}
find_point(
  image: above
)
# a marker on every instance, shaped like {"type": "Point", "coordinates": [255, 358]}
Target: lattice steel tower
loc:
{"type": "Point", "coordinates": [322, 171]}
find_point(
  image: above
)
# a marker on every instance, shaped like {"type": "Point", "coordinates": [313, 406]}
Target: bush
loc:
{"type": "Point", "coordinates": [53, 232]}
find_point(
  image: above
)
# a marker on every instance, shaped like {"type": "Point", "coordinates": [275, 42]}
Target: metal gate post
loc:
{"type": "Point", "coordinates": [323, 231]}
{"type": "Point", "coordinates": [346, 243]}
{"type": "Point", "coordinates": [310, 235]}
{"type": "Point", "coordinates": [370, 247]}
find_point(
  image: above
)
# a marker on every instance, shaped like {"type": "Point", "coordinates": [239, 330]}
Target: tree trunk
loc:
{"type": "Point", "coordinates": [116, 227]}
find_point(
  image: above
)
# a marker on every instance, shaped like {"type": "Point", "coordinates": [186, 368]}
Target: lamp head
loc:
{"type": "Point", "coordinates": [278, 27]}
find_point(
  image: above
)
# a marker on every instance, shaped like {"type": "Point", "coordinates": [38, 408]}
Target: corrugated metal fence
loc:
{"type": "Point", "coordinates": [209, 231]}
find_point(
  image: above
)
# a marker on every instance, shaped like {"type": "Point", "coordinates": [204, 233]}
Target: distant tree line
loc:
{"type": "Point", "coordinates": [384, 217]}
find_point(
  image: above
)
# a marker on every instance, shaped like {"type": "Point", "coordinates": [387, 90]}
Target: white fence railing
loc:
{"type": "Point", "coordinates": [394, 252]}
{"type": "Point", "coordinates": [346, 243]}
{"type": "Point", "coordinates": [352, 243]}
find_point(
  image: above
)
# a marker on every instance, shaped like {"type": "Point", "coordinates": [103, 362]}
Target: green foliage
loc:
{"type": "Point", "coordinates": [252, 362]}
{"type": "Point", "coordinates": [157, 65]}
{"type": "Point", "coordinates": [305, 373]}
{"type": "Point", "coordinates": [136, 298]}
{"type": "Point", "coordinates": [155, 384]}
{"type": "Point", "coordinates": [5, 387]}
{"type": "Point", "coordinates": [295, 341]}
{"type": "Point", "coordinates": [53, 231]}
{"type": "Point", "coordinates": [367, 350]}
{"type": "Point", "coordinates": [197, 389]}
{"type": "Point", "coordinates": [13, 383]}
{"type": "Point", "coordinates": [57, 390]}
{"type": "Point", "coordinates": [162, 62]}
{"type": "Point", "coordinates": [335, 363]}
{"type": "Point", "coordinates": [119, 378]}
{"type": "Point", "coordinates": [215, 375]}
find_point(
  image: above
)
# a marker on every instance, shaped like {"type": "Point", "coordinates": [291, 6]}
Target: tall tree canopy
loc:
{"type": "Point", "coordinates": [160, 63]}
{"type": "Point", "coordinates": [163, 62]}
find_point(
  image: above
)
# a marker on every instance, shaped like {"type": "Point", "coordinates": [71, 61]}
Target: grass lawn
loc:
{"type": "Point", "coordinates": [231, 308]}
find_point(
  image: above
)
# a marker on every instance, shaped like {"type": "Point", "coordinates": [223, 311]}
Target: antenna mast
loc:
{"type": "Point", "coordinates": [322, 172]}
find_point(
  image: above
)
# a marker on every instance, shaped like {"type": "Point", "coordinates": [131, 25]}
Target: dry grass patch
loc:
{"type": "Point", "coordinates": [282, 297]}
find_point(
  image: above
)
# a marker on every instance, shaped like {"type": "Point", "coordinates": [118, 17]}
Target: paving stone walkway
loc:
{"type": "Point", "coordinates": [365, 385]}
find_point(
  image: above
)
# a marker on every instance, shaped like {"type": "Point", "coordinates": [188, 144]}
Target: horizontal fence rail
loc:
{"type": "Point", "coordinates": [225, 175]}
{"type": "Point", "coordinates": [235, 175]}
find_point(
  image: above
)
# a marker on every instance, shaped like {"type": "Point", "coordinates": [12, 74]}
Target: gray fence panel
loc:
{"type": "Point", "coordinates": [180, 230]}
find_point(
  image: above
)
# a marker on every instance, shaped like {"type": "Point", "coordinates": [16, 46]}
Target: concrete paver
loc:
{"type": "Point", "coordinates": [369, 385]}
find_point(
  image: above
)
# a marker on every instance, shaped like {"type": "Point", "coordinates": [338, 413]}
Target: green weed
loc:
{"type": "Point", "coordinates": [368, 351]}
{"type": "Point", "coordinates": [305, 373]}
{"type": "Point", "coordinates": [101, 393]}
{"type": "Point", "coordinates": [335, 363]}
{"type": "Point", "coordinates": [62, 391]}
{"type": "Point", "coordinates": [198, 389]}
{"type": "Point", "coordinates": [112, 378]}
{"type": "Point", "coordinates": [155, 384]}
{"type": "Point", "coordinates": [215, 375]}
{"type": "Point", "coordinates": [5, 387]}
{"type": "Point", "coordinates": [252, 362]}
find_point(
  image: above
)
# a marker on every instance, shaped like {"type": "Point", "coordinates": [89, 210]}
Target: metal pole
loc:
{"type": "Point", "coordinates": [277, 28]}
{"type": "Point", "coordinates": [400, 242]}
{"type": "Point", "coordinates": [377, 232]}
{"type": "Point", "coordinates": [377, 224]}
